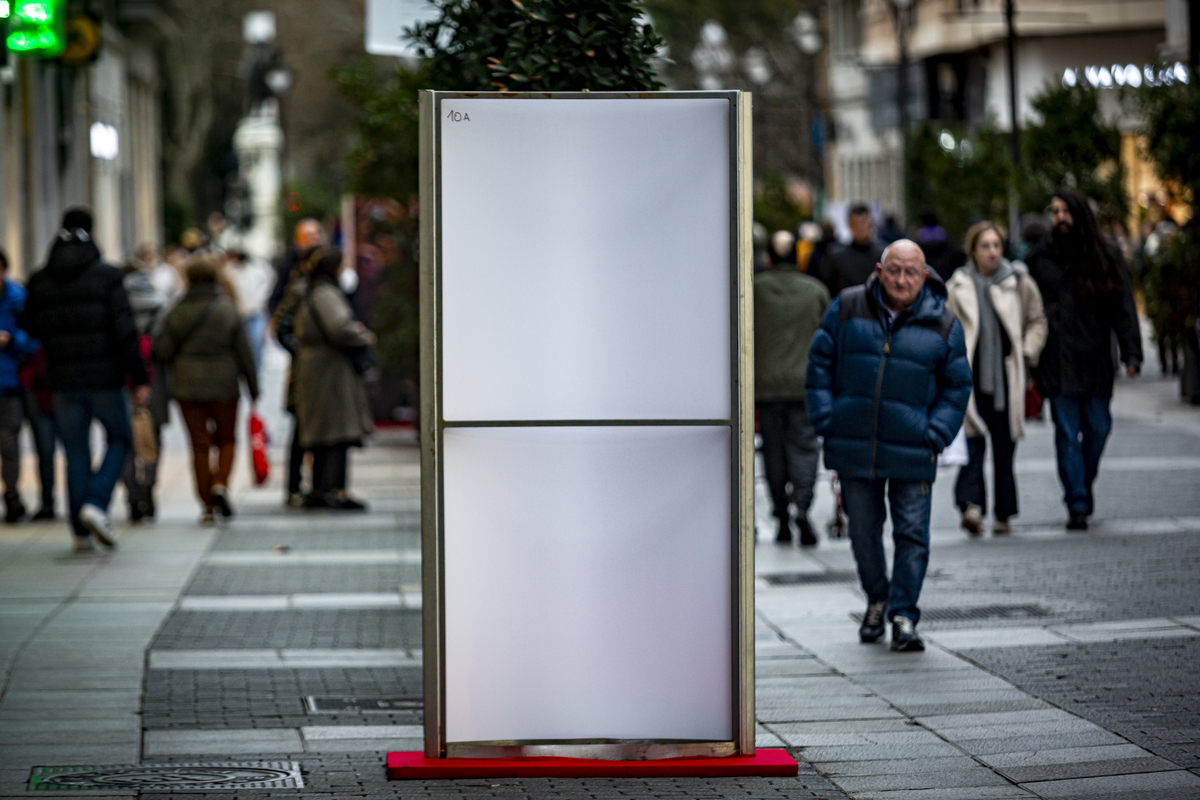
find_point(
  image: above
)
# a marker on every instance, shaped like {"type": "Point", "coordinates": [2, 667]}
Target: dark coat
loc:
{"type": "Point", "coordinates": [1078, 356]}
{"type": "Point", "coordinates": [788, 306]}
{"type": "Point", "coordinates": [76, 306]}
{"type": "Point", "coordinates": [331, 400]}
{"type": "Point", "coordinates": [203, 343]}
{"type": "Point", "coordinates": [888, 395]}
{"type": "Point", "coordinates": [846, 265]}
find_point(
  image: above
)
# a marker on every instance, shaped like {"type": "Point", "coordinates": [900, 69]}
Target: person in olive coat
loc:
{"type": "Point", "coordinates": [788, 306]}
{"type": "Point", "coordinates": [331, 399]}
{"type": "Point", "coordinates": [203, 344]}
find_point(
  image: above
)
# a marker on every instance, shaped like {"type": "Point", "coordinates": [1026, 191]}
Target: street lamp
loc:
{"type": "Point", "coordinates": [903, 12]}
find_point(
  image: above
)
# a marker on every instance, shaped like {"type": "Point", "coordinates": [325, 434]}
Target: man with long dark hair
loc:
{"type": "Point", "coordinates": [1088, 297]}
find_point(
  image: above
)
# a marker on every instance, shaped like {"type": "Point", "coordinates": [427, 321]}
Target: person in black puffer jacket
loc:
{"type": "Point", "coordinates": [77, 307]}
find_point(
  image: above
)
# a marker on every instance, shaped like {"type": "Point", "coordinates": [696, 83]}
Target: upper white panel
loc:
{"type": "Point", "coordinates": [585, 259]}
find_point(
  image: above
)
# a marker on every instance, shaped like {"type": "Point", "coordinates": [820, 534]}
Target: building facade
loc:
{"type": "Point", "coordinates": [85, 135]}
{"type": "Point", "coordinates": [958, 73]}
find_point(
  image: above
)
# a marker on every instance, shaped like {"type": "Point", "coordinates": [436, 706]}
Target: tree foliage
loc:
{"type": "Point", "coordinates": [1171, 277]}
{"type": "Point", "coordinates": [1073, 145]}
{"type": "Point", "coordinates": [539, 46]}
{"type": "Point", "coordinates": [961, 177]}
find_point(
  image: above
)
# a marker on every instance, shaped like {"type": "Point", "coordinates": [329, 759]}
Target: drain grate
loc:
{"type": "Point", "coordinates": [170, 777]}
{"type": "Point", "coordinates": [810, 578]}
{"type": "Point", "coordinates": [962, 613]}
{"type": "Point", "coordinates": [332, 705]}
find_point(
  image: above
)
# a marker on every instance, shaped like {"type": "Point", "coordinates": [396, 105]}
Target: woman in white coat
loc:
{"type": "Point", "coordinates": [1001, 313]}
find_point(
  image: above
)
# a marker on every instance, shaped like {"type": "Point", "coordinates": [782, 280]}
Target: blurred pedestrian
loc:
{"type": "Point", "coordinates": [885, 423]}
{"type": "Point", "coordinates": [846, 265]}
{"type": "Point", "coordinates": [891, 230]}
{"type": "Point", "coordinates": [77, 307]}
{"type": "Point", "coordinates": [1089, 298]}
{"type": "Point", "coordinates": [308, 236]}
{"type": "Point", "coordinates": [149, 307]}
{"type": "Point", "coordinates": [787, 311]}
{"type": "Point", "coordinates": [15, 345]}
{"type": "Point", "coordinates": [1000, 309]}
{"type": "Point", "coordinates": [252, 280]}
{"type": "Point", "coordinates": [39, 410]}
{"type": "Point", "coordinates": [331, 398]}
{"type": "Point", "coordinates": [283, 322]}
{"type": "Point", "coordinates": [941, 254]}
{"type": "Point", "coordinates": [203, 343]}
{"type": "Point", "coordinates": [163, 275]}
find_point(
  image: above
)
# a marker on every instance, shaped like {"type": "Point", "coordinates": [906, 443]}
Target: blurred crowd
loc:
{"type": "Point", "coordinates": [87, 342]}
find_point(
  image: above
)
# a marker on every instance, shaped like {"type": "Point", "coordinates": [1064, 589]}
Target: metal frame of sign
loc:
{"type": "Point", "coordinates": [741, 423]}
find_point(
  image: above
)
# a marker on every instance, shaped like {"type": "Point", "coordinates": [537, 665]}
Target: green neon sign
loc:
{"type": "Point", "coordinates": [36, 27]}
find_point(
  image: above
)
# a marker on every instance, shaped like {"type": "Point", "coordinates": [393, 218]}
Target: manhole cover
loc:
{"type": "Point", "coordinates": [170, 777]}
{"type": "Point", "coordinates": [331, 705]}
{"type": "Point", "coordinates": [961, 613]}
{"type": "Point", "coordinates": [808, 578]}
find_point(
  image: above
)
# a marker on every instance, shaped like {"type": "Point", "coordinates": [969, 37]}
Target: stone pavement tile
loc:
{"type": "Point", "coordinates": [958, 720]}
{"type": "Point", "coordinates": [119, 731]}
{"type": "Point", "coordinates": [1177, 785]}
{"type": "Point", "coordinates": [1020, 742]}
{"type": "Point", "coordinates": [985, 731]}
{"type": "Point", "coordinates": [842, 726]}
{"type": "Point", "coordinates": [898, 766]}
{"type": "Point", "coordinates": [225, 742]}
{"type": "Point", "coordinates": [1088, 769]}
{"type": "Point", "coordinates": [1006, 792]}
{"type": "Point", "coordinates": [974, 776]}
{"type": "Point", "coordinates": [767, 669]}
{"type": "Point", "coordinates": [115, 699]}
{"type": "Point", "coordinates": [73, 679]}
{"type": "Point", "coordinates": [17, 756]}
{"type": "Point", "coordinates": [869, 752]}
{"type": "Point", "coordinates": [875, 709]}
{"type": "Point", "coordinates": [974, 706]}
{"type": "Point", "coordinates": [994, 637]}
{"type": "Point", "coordinates": [363, 745]}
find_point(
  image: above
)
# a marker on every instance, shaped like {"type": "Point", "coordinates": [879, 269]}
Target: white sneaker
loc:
{"type": "Point", "coordinates": [95, 520]}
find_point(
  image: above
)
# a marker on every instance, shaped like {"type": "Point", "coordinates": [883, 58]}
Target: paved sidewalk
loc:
{"type": "Point", "coordinates": [1060, 666]}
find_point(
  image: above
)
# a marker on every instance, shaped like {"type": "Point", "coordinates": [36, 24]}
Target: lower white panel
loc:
{"type": "Point", "coordinates": [587, 583]}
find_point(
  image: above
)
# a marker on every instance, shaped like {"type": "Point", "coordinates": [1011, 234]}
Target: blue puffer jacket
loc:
{"type": "Point", "coordinates": [887, 395]}
{"type": "Point", "coordinates": [22, 345]}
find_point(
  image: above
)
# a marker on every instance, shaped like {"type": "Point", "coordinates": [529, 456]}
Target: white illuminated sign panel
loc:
{"type": "Point", "coordinates": [582, 377]}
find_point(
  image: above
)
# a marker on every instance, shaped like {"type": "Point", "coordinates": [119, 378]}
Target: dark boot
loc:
{"type": "Point", "coordinates": [785, 530]}
{"type": "Point", "coordinates": [14, 509]}
{"type": "Point", "coordinates": [808, 537]}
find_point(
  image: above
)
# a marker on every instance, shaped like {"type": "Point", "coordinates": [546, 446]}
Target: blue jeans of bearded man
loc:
{"type": "Point", "coordinates": [910, 505]}
{"type": "Point", "coordinates": [1082, 423]}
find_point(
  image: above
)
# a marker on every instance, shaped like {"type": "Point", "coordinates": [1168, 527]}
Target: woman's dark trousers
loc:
{"type": "Point", "coordinates": [971, 489]}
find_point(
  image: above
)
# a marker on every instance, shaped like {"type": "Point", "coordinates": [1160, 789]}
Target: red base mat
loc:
{"type": "Point", "coordinates": [764, 763]}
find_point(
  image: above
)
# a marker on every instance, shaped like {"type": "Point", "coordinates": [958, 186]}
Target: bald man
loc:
{"type": "Point", "coordinates": [887, 386]}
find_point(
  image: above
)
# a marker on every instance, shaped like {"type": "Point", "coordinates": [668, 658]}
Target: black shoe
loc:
{"type": "Point", "coordinates": [135, 512]}
{"type": "Point", "coordinates": [316, 500]}
{"type": "Point", "coordinates": [1091, 502]}
{"type": "Point", "coordinates": [14, 509]}
{"type": "Point", "coordinates": [904, 636]}
{"type": "Point", "coordinates": [784, 536]}
{"type": "Point", "coordinates": [808, 538]}
{"type": "Point", "coordinates": [44, 513]}
{"type": "Point", "coordinates": [347, 503]}
{"type": "Point", "coordinates": [1077, 522]}
{"type": "Point", "coordinates": [873, 627]}
{"type": "Point", "coordinates": [221, 503]}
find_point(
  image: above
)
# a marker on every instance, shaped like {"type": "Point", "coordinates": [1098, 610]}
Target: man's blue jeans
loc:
{"type": "Point", "coordinates": [1082, 423]}
{"type": "Point", "coordinates": [73, 414]}
{"type": "Point", "coordinates": [910, 505]}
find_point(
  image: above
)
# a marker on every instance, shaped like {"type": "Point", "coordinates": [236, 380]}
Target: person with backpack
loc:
{"type": "Point", "coordinates": [77, 306]}
{"type": "Point", "coordinates": [204, 346]}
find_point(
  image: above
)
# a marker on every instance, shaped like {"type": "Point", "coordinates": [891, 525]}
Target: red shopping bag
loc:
{"type": "Point", "coordinates": [258, 449]}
